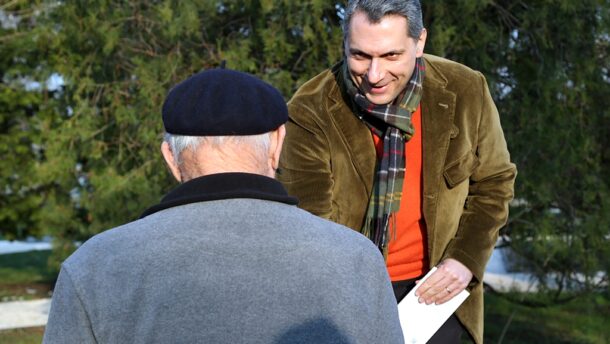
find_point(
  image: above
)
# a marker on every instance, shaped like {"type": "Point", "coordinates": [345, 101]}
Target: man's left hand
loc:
{"type": "Point", "coordinates": [449, 279]}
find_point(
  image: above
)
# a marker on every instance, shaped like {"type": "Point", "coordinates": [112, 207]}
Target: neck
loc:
{"type": "Point", "coordinates": [213, 163]}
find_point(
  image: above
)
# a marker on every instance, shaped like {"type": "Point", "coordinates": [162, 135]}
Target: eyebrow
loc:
{"type": "Point", "coordinates": [391, 52]}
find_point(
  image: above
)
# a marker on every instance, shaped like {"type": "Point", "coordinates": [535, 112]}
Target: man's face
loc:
{"type": "Point", "coordinates": [381, 56]}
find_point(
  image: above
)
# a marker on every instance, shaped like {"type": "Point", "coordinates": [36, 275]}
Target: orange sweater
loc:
{"type": "Point", "coordinates": [407, 253]}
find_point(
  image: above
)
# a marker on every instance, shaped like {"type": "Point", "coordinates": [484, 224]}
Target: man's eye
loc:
{"type": "Point", "coordinates": [360, 56]}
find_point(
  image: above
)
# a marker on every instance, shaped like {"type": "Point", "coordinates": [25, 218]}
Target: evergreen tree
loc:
{"type": "Point", "coordinates": [27, 110]}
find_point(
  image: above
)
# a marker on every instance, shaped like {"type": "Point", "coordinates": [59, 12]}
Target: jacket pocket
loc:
{"type": "Point", "coordinates": [457, 171]}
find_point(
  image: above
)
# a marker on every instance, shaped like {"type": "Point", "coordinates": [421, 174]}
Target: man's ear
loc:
{"type": "Point", "coordinates": [275, 146]}
{"type": "Point", "coordinates": [421, 43]}
{"type": "Point", "coordinates": [169, 160]}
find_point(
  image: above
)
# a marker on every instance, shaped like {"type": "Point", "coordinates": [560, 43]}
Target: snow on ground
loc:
{"type": "Point", "coordinates": [7, 247]}
{"type": "Point", "coordinates": [17, 314]}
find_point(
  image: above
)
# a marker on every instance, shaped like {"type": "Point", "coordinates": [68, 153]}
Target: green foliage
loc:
{"type": "Point", "coordinates": [26, 110]}
{"type": "Point", "coordinates": [25, 268]}
{"type": "Point", "coordinates": [579, 321]}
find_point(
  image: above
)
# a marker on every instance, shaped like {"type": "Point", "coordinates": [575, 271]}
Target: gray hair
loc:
{"type": "Point", "coordinates": [178, 143]}
{"type": "Point", "coordinates": [377, 9]}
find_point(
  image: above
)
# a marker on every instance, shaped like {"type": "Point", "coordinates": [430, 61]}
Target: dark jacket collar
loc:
{"type": "Point", "coordinates": [224, 186]}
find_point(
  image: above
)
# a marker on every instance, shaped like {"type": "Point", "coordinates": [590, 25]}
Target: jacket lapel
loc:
{"type": "Point", "coordinates": [357, 136]}
{"type": "Point", "coordinates": [438, 111]}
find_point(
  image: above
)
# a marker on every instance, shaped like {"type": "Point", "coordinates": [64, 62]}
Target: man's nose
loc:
{"type": "Point", "coordinates": [375, 72]}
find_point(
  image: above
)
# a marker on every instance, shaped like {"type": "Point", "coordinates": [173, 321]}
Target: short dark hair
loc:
{"type": "Point", "coordinates": [377, 9]}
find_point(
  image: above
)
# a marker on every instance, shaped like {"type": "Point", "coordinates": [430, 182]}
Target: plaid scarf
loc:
{"type": "Point", "coordinates": [392, 123]}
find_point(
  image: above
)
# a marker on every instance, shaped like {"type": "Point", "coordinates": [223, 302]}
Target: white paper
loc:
{"type": "Point", "coordinates": [420, 321]}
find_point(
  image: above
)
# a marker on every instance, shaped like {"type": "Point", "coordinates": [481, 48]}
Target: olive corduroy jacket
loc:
{"type": "Point", "coordinates": [328, 162]}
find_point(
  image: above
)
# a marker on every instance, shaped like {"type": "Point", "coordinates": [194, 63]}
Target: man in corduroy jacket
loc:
{"type": "Point", "coordinates": [406, 148]}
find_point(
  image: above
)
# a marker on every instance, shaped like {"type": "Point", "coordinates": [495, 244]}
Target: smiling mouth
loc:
{"type": "Point", "coordinates": [377, 89]}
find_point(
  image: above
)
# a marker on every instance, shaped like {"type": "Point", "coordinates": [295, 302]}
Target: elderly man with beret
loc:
{"type": "Point", "coordinates": [226, 257]}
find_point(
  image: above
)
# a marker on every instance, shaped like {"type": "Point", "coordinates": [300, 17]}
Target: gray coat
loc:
{"type": "Point", "coordinates": [228, 269]}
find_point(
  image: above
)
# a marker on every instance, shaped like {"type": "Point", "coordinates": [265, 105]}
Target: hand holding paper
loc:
{"type": "Point", "coordinates": [420, 321]}
{"type": "Point", "coordinates": [450, 278]}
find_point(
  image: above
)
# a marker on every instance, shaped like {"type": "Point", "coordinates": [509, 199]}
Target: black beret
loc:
{"type": "Point", "coordinates": [220, 102]}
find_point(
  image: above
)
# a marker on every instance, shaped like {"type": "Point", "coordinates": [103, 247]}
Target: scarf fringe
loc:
{"type": "Point", "coordinates": [380, 230]}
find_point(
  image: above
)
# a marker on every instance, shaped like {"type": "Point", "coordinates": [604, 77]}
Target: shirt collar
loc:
{"type": "Point", "coordinates": [224, 186]}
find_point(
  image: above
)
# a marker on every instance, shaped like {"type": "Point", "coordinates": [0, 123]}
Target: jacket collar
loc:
{"type": "Point", "coordinates": [224, 186]}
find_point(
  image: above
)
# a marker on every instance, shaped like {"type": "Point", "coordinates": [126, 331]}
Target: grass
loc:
{"type": "Point", "coordinates": [581, 321]}
{"type": "Point", "coordinates": [28, 335]}
{"type": "Point", "coordinates": [25, 275]}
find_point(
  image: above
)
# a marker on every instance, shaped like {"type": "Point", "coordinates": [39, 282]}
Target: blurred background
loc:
{"type": "Point", "coordinates": [82, 83]}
